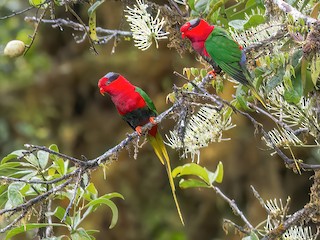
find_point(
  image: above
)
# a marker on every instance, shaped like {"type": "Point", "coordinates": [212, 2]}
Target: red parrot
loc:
{"type": "Point", "coordinates": [215, 44]}
{"type": "Point", "coordinates": [137, 109]}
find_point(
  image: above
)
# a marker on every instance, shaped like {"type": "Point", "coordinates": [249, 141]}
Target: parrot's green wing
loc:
{"type": "Point", "coordinates": [227, 54]}
{"type": "Point", "coordinates": [147, 99]}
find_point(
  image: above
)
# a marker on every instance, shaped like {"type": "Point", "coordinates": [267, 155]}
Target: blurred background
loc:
{"type": "Point", "coordinates": [51, 96]}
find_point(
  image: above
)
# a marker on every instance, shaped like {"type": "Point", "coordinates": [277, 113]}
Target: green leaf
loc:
{"type": "Point", "coordinates": [252, 236]}
{"type": "Point", "coordinates": [26, 227]}
{"type": "Point", "coordinates": [112, 195]}
{"type": "Point", "coordinates": [13, 155]}
{"type": "Point", "coordinates": [15, 198]}
{"type": "Point", "coordinates": [8, 158]}
{"type": "Point", "coordinates": [254, 21]}
{"type": "Point", "coordinates": [55, 148]}
{"type": "Point", "coordinates": [32, 159]}
{"type": "Point", "coordinates": [237, 24]}
{"type": "Point", "coordinates": [60, 166]}
{"type": "Point", "coordinates": [25, 189]}
{"type": "Point", "coordinates": [37, 3]}
{"type": "Point", "coordinates": [217, 176]}
{"type": "Point", "coordinates": [292, 96]}
{"type": "Point", "coordinates": [9, 169]}
{"type": "Point", "coordinates": [59, 213]}
{"type": "Point", "coordinates": [192, 183]}
{"type": "Point", "coordinates": [275, 80]}
{"type": "Point", "coordinates": [191, 169]}
{"type": "Point", "coordinates": [191, 4]}
{"type": "Point", "coordinates": [80, 234]}
{"type": "Point", "coordinates": [43, 158]}
{"type": "Point", "coordinates": [97, 202]}
{"type": "Point", "coordinates": [242, 101]}
{"type": "Point", "coordinates": [200, 5]}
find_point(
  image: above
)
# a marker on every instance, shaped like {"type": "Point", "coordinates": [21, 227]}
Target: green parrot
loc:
{"type": "Point", "coordinates": [217, 46]}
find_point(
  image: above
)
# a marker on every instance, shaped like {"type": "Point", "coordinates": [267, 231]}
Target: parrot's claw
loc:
{"type": "Point", "coordinates": [151, 119]}
{"type": "Point", "coordinates": [139, 130]}
{"type": "Point", "coordinates": [212, 74]}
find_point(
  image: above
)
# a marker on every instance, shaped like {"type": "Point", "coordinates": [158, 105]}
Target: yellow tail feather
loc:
{"type": "Point", "coordinates": [257, 96]}
{"type": "Point", "coordinates": [161, 152]}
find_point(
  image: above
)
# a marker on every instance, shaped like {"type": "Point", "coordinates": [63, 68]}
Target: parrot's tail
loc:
{"type": "Point", "coordinates": [257, 96]}
{"type": "Point", "coordinates": [161, 151]}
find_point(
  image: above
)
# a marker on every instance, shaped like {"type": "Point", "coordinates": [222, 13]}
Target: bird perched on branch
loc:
{"type": "Point", "coordinates": [137, 109]}
{"type": "Point", "coordinates": [215, 44]}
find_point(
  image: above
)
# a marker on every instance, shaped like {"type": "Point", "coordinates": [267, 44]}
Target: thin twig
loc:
{"type": "Point", "coordinates": [66, 213]}
{"type": "Point", "coordinates": [234, 207]}
{"type": "Point", "coordinates": [240, 228]}
{"type": "Point", "coordinates": [64, 156]}
{"type": "Point", "coordinates": [48, 182]}
{"type": "Point", "coordinates": [77, 26]}
{"type": "Point", "coordinates": [84, 27]}
{"type": "Point", "coordinates": [35, 200]}
{"type": "Point", "coordinates": [260, 199]}
{"type": "Point", "coordinates": [35, 31]}
{"type": "Point", "coordinates": [16, 220]}
{"type": "Point", "coordinates": [277, 121]}
{"type": "Point", "coordinates": [13, 14]}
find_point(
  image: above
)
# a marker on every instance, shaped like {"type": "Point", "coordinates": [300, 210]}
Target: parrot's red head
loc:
{"type": "Point", "coordinates": [113, 84]}
{"type": "Point", "coordinates": [197, 31]}
{"type": "Point", "coordinates": [105, 82]}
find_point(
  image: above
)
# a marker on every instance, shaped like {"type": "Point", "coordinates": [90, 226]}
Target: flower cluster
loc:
{"type": "Point", "coordinates": [276, 213]}
{"type": "Point", "coordinates": [144, 27]}
{"type": "Point", "coordinates": [204, 127]}
{"type": "Point", "coordinates": [300, 117]}
{"type": "Point", "coordinates": [257, 34]}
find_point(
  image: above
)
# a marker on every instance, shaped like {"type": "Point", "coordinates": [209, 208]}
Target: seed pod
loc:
{"type": "Point", "coordinates": [14, 48]}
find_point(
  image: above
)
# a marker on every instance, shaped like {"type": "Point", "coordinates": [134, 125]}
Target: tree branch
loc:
{"type": "Point", "coordinates": [287, 8]}
{"type": "Point", "coordinates": [79, 27]}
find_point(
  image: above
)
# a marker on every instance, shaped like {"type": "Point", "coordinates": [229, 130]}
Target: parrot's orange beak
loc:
{"type": "Point", "coordinates": [102, 91]}
{"type": "Point", "coordinates": [183, 29]}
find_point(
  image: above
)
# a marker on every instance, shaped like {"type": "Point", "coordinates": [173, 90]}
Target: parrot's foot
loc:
{"type": "Point", "coordinates": [212, 74]}
{"type": "Point", "coordinates": [139, 130]}
{"type": "Point", "coordinates": [151, 119]}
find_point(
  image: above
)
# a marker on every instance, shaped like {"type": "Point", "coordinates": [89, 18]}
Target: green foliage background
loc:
{"type": "Point", "coordinates": [51, 96]}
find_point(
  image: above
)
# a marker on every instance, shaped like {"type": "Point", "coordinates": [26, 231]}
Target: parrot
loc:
{"type": "Point", "coordinates": [217, 46]}
{"type": "Point", "coordinates": [137, 109]}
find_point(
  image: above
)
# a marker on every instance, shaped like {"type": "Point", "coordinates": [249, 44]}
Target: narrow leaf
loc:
{"type": "Point", "coordinates": [92, 20]}
{"type": "Point", "coordinates": [110, 204]}
{"type": "Point", "coordinates": [28, 227]}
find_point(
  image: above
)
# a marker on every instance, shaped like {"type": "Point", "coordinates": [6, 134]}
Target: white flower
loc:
{"type": "Point", "coordinates": [144, 27]}
{"type": "Point", "coordinates": [274, 208]}
{"type": "Point", "coordinates": [204, 127]}
{"type": "Point", "coordinates": [299, 233]}
{"type": "Point", "coordinates": [182, 2]}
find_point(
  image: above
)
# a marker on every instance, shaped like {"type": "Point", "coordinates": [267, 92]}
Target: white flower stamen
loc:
{"type": "Point", "coordinates": [145, 27]}
{"type": "Point", "coordinates": [204, 127]}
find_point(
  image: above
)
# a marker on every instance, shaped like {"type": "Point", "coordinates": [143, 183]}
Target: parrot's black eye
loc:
{"type": "Point", "coordinates": [194, 22]}
{"type": "Point", "coordinates": [111, 76]}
